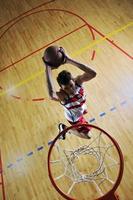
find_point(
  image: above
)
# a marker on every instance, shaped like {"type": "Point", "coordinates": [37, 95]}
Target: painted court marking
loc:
{"type": "Point", "coordinates": [75, 54]}
{"type": "Point", "coordinates": [32, 53]}
{"type": "Point", "coordinates": [33, 76]}
{"type": "Point", "coordinates": [29, 154]}
{"type": "Point", "coordinates": [99, 41]}
{"type": "Point", "coordinates": [40, 148]}
{"type": "Point", "coordinates": [2, 184]}
{"type": "Point", "coordinates": [40, 5]}
{"type": "Point", "coordinates": [86, 23]}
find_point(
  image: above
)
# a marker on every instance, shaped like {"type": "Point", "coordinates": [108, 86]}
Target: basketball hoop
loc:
{"type": "Point", "coordinates": [86, 168]}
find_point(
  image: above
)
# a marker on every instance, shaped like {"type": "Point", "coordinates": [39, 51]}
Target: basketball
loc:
{"type": "Point", "coordinates": [53, 56]}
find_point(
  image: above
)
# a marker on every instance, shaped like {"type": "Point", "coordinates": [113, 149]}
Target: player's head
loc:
{"type": "Point", "coordinates": [66, 81]}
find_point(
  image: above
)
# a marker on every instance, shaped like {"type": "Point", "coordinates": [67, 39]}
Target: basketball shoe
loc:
{"type": "Point", "coordinates": [61, 127]}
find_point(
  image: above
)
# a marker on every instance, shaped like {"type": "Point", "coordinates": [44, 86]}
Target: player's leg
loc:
{"type": "Point", "coordinates": [61, 127]}
{"type": "Point", "coordinates": [73, 131]}
{"type": "Point", "coordinates": [80, 134]}
{"type": "Point", "coordinates": [86, 130]}
{"type": "Point", "coordinates": [81, 131]}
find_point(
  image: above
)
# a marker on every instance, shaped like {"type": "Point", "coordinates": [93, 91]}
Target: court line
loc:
{"type": "Point", "coordinates": [21, 158]}
{"type": "Point", "coordinates": [113, 108]}
{"type": "Point", "coordinates": [89, 26]}
{"type": "Point", "coordinates": [93, 37]}
{"type": "Point", "coordinates": [98, 41]}
{"type": "Point", "coordinates": [75, 54]}
{"type": "Point", "coordinates": [2, 178]}
{"type": "Point", "coordinates": [13, 63]}
{"type": "Point", "coordinates": [47, 10]}
{"type": "Point", "coordinates": [10, 165]}
{"type": "Point", "coordinates": [25, 13]}
{"type": "Point", "coordinates": [123, 102]}
{"type": "Point", "coordinates": [32, 77]}
{"type": "Point", "coordinates": [112, 42]}
{"type": "Point", "coordinates": [40, 148]}
{"type": "Point", "coordinates": [92, 120]}
{"type": "Point", "coordinates": [30, 153]}
{"type": "Point", "coordinates": [93, 55]}
{"type": "Point", "coordinates": [101, 115]}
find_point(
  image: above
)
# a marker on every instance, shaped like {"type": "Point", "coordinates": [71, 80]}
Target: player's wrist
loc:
{"type": "Point", "coordinates": [70, 60]}
{"type": "Point", "coordinates": [48, 65]}
{"type": "Point", "coordinates": [55, 57]}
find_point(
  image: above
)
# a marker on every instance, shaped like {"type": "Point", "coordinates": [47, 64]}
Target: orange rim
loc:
{"type": "Point", "coordinates": [106, 196]}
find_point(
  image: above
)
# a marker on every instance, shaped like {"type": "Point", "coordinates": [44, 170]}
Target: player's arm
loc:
{"type": "Point", "coordinates": [88, 72]}
{"type": "Point", "coordinates": [51, 90]}
{"type": "Point", "coordinates": [54, 95]}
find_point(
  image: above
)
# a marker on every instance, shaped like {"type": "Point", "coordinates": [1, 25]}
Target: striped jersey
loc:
{"type": "Point", "coordinates": [74, 105]}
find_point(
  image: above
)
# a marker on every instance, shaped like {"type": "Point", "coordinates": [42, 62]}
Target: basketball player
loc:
{"type": "Point", "coordinates": [71, 94]}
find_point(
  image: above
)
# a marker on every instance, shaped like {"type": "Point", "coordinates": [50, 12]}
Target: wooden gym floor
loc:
{"type": "Point", "coordinates": [28, 119]}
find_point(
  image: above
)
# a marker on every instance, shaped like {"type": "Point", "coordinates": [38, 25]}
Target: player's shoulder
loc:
{"type": "Point", "coordinates": [61, 95]}
{"type": "Point", "coordinates": [78, 81]}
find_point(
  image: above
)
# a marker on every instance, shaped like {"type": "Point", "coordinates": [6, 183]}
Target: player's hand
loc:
{"type": "Point", "coordinates": [43, 60]}
{"type": "Point", "coordinates": [65, 56]}
{"type": "Point", "coordinates": [47, 64]}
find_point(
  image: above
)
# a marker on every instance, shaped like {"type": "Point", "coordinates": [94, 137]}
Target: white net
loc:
{"type": "Point", "coordinates": [85, 167]}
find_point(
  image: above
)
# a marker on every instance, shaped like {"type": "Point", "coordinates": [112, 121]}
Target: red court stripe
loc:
{"type": "Point", "coordinates": [111, 41]}
{"type": "Point", "coordinates": [16, 97]}
{"type": "Point", "coordinates": [70, 12]}
{"type": "Point", "coordinates": [26, 13]}
{"type": "Point", "coordinates": [93, 55]}
{"type": "Point", "coordinates": [11, 65]}
{"type": "Point", "coordinates": [39, 99]}
{"type": "Point", "coordinates": [93, 35]}
{"type": "Point", "coordinates": [2, 179]}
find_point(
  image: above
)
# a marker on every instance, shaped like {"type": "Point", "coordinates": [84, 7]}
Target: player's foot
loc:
{"type": "Point", "coordinates": [89, 135]}
{"type": "Point", "coordinates": [86, 134]}
{"type": "Point", "coordinates": [61, 127]}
